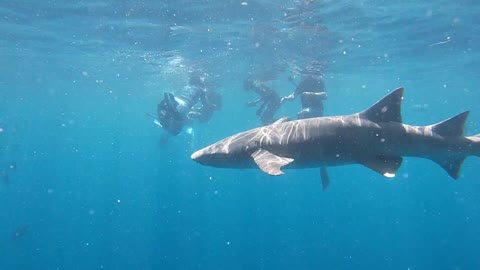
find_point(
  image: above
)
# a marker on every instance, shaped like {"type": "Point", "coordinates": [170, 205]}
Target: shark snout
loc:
{"type": "Point", "coordinates": [207, 156]}
{"type": "Point", "coordinates": [195, 156]}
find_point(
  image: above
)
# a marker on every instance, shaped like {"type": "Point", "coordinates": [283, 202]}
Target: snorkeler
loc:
{"type": "Point", "coordinates": [175, 111]}
{"type": "Point", "coordinates": [268, 97]}
{"type": "Point", "coordinates": [211, 101]}
{"type": "Point", "coordinates": [313, 93]}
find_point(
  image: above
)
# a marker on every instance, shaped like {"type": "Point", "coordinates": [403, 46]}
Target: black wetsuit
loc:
{"type": "Point", "coordinates": [211, 102]}
{"type": "Point", "coordinates": [270, 103]}
{"type": "Point", "coordinates": [174, 111]}
{"type": "Point", "coordinates": [312, 95]}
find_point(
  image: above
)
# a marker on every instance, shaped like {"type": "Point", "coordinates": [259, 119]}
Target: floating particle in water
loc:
{"type": "Point", "coordinates": [13, 166]}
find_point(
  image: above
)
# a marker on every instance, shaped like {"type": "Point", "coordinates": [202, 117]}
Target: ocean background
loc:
{"type": "Point", "coordinates": [86, 184]}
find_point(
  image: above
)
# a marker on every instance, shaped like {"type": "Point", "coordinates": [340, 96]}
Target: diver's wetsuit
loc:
{"type": "Point", "coordinates": [174, 111]}
{"type": "Point", "coordinates": [312, 93]}
{"type": "Point", "coordinates": [187, 98]}
{"type": "Point", "coordinates": [270, 103]}
{"type": "Point", "coordinates": [211, 102]}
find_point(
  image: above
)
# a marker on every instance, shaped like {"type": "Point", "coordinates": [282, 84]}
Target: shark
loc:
{"type": "Point", "coordinates": [376, 138]}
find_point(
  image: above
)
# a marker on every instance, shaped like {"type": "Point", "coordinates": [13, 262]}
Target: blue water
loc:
{"type": "Point", "coordinates": [85, 183]}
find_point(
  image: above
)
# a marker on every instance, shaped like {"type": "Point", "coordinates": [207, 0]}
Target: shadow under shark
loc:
{"type": "Point", "coordinates": [375, 138]}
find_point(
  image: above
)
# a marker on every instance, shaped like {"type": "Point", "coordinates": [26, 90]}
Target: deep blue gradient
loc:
{"type": "Point", "coordinates": [85, 184]}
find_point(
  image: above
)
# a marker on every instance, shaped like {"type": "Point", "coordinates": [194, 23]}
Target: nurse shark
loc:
{"type": "Point", "coordinates": [376, 138]}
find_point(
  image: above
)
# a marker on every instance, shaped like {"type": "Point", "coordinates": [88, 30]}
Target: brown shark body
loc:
{"type": "Point", "coordinates": [375, 138]}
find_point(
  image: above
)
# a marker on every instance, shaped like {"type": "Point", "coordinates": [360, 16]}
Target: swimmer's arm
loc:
{"type": "Point", "coordinates": [154, 116]}
{"type": "Point", "coordinates": [155, 119]}
{"type": "Point", "coordinates": [254, 103]}
{"type": "Point", "coordinates": [290, 97]}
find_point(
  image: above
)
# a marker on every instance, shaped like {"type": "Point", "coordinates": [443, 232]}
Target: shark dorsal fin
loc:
{"type": "Point", "coordinates": [452, 127]}
{"type": "Point", "coordinates": [281, 120]}
{"type": "Point", "coordinates": [388, 109]}
{"type": "Point", "coordinates": [270, 163]}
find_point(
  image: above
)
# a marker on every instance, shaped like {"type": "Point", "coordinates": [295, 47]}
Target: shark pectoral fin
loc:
{"type": "Point", "coordinates": [270, 163]}
{"type": "Point", "coordinates": [452, 166]}
{"type": "Point", "coordinates": [384, 165]}
{"type": "Point", "coordinates": [325, 177]}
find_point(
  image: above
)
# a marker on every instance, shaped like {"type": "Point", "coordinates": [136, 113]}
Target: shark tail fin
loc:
{"type": "Point", "coordinates": [452, 127]}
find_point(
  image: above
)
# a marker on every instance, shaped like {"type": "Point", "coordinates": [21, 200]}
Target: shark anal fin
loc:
{"type": "Point", "coordinates": [270, 163]}
{"type": "Point", "coordinates": [452, 127]}
{"type": "Point", "coordinates": [452, 166]}
{"type": "Point", "coordinates": [388, 109]}
{"type": "Point", "coordinates": [324, 176]}
{"type": "Point", "coordinates": [384, 165]}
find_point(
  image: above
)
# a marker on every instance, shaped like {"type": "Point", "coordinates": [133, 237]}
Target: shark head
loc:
{"type": "Point", "coordinates": [231, 152]}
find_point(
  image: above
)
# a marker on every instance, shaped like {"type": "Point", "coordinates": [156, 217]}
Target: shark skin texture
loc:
{"type": "Point", "coordinates": [376, 138]}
